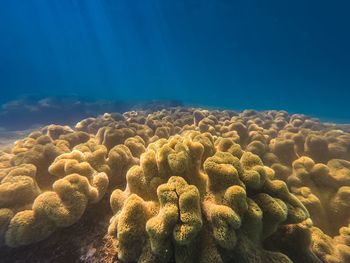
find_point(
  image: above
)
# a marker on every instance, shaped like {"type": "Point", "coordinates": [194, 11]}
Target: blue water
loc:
{"type": "Point", "coordinates": [292, 55]}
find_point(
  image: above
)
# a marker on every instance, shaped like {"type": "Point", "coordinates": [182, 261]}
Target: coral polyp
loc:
{"type": "Point", "coordinates": [184, 185]}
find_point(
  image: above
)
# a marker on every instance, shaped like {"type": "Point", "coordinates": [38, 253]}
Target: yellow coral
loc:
{"type": "Point", "coordinates": [61, 207]}
{"type": "Point", "coordinates": [177, 190]}
{"type": "Point", "coordinates": [189, 185]}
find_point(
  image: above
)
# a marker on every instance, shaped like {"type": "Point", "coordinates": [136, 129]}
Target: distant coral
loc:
{"type": "Point", "coordinates": [30, 111]}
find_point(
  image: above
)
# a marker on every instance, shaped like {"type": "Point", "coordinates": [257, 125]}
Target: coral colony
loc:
{"type": "Point", "coordinates": [187, 185]}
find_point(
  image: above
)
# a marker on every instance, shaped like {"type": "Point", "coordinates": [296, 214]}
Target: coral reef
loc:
{"type": "Point", "coordinates": [185, 185]}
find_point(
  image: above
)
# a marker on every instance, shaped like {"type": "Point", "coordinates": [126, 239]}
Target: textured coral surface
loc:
{"type": "Point", "coordinates": [178, 185]}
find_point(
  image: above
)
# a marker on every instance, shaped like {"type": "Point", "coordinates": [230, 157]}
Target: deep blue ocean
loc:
{"type": "Point", "coordinates": [290, 55]}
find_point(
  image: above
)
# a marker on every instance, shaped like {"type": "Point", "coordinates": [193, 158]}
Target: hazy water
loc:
{"type": "Point", "coordinates": [292, 55]}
